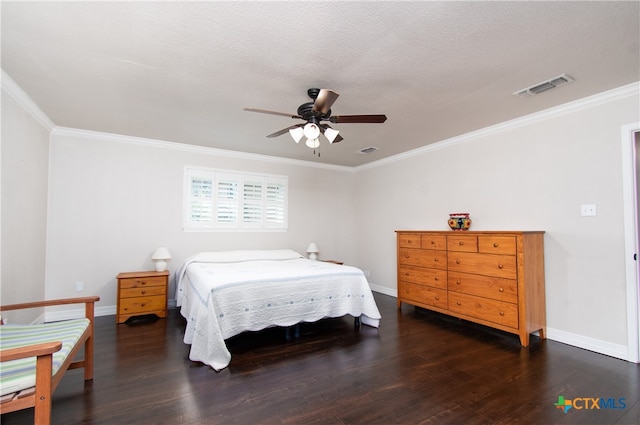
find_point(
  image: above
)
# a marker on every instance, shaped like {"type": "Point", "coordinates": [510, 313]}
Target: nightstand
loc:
{"type": "Point", "coordinates": [141, 293]}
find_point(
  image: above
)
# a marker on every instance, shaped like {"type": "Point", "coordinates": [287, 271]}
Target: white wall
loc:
{"type": "Point", "coordinates": [530, 176]}
{"type": "Point", "coordinates": [25, 159]}
{"type": "Point", "coordinates": [114, 199]}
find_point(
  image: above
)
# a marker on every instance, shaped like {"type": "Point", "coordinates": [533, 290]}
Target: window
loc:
{"type": "Point", "coordinates": [226, 200]}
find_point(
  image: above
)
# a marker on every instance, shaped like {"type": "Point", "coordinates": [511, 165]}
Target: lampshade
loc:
{"type": "Point", "coordinates": [330, 134]}
{"type": "Point", "coordinates": [313, 143]}
{"type": "Point", "coordinates": [160, 256]}
{"type": "Point", "coordinates": [312, 250]}
{"type": "Point", "coordinates": [161, 253]}
{"type": "Point", "coordinates": [297, 134]}
{"type": "Point", "coordinates": [311, 130]}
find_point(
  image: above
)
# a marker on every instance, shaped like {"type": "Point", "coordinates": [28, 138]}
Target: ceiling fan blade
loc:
{"type": "Point", "coordinates": [264, 111]}
{"type": "Point", "coordinates": [358, 119]}
{"type": "Point", "coordinates": [324, 101]}
{"type": "Point", "coordinates": [338, 139]}
{"type": "Point", "coordinates": [284, 130]}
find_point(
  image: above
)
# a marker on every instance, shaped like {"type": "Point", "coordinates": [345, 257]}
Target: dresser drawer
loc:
{"type": "Point", "coordinates": [423, 294]}
{"type": "Point", "coordinates": [140, 305]}
{"type": "Point", "coordinates": [431, 258]}
{"type": "Point", "coordinates": [433, 241]}
{"type": "Point", "coordinates": [463, 243]}
{"type": "Point", "coordinates": [484, 264]}
{"type": "Point", "coordinates": [142, 291]}
{"type": "Point", "coordinates": [141, 282]}
{"type": "Point", "coordinates": [409, 240]}
{"type": "Point", "coordinates": [490, 244]}
{"type": "Point", "coordinates": [423, 276]}
{"type": "Point", "coordinates": [496, 288]}
{"type": "Point", "coordinates": [505, 314]}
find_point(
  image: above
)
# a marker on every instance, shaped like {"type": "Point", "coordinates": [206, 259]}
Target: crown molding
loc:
{"type": "Point", "coordinates": [623, 92]}
{"type": "Point", "coordinates": [184, 147]}
{"type": "Point", "coordinates": [12, 89]}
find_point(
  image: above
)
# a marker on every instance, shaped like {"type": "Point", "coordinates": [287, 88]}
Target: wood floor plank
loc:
{"type": "Point", "coordinates": [418, 368]}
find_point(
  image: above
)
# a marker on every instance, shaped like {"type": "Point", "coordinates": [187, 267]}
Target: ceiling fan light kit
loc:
{"type": "Point", "coordinates": [313, 113]}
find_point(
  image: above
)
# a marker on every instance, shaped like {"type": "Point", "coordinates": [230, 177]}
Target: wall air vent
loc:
{"type": "Point", "coordinates": [365, 151]}
{"type": "Point", "coordinates": [558, 81]}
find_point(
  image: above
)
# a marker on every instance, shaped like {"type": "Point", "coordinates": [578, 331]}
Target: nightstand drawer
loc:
{"type": "Point", "coordinates": [141, 292]}
{"type": "Point", "coordinates": [142, 282]}
{"type": "Point", "coordinates": [142, 304]}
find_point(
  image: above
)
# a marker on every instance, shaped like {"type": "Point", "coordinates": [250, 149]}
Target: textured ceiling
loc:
{"type": "Point", "coordinates": [183, 71]}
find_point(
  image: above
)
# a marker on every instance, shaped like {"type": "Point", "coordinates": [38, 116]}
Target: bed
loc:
{"type": "Point", "coordinates": [222, 294]}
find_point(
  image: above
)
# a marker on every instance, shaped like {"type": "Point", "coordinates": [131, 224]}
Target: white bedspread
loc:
{"type": "Point", "coordinates": [223, 294]}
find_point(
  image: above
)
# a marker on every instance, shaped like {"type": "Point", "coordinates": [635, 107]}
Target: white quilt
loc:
{"type": "Point", "coordinates": [223, 294]}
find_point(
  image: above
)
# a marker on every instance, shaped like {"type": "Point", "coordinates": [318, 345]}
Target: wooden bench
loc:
{"type": "Point", "coordinates": [18, 346]}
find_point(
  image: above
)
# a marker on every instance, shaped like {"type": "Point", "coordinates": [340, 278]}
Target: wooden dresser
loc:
{"type": "Point", "coordinates": [141, 293]}
{"type": "Point", "coordinates": [492, 278]}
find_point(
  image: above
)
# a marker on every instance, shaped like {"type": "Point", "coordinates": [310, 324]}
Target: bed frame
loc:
{"type": "Point", "coordinates": [39, 396]}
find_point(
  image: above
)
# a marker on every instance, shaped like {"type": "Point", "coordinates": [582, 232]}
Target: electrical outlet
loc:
{"type": "Point", "coordinates": [79, 286]}
{"type": "Point", "coordinates": [588, 210]}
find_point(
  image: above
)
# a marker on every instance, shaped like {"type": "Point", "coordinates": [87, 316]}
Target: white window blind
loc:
{"type": "Point", "coordinates": [223, 200]}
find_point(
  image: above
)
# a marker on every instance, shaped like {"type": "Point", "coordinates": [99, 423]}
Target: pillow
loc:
{"type": "Point", "coordinates": [245, 255]}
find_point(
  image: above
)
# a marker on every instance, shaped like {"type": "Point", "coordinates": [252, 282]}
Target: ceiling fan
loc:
{"type": "Point", "coordinates": [315, 114]}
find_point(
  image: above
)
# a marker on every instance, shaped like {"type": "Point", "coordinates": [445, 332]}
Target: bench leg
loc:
{"type": "Point", "coordinates": [42, 407]}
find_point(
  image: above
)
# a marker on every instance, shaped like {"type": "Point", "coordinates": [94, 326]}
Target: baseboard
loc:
{"type": "Point", "coordinates": [109, 310]}
{"type": "Point", "coordinates": [392, 292]}
{"type": "Point", "coordinates": [596, 345]}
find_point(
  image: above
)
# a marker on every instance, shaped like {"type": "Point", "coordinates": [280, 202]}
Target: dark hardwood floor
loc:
{"type": "Point", "coordinates": [418, 368]}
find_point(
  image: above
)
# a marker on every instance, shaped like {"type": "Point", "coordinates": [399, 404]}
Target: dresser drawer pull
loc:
{"type": "Point", "coordinates": [460, 243]}
{"type": "Point", "coordinates": [502, 313]}
{"type": "Point", "coordinates": [457, 261]}
{"type": "Point", "coordinates": [501, 289]}
{"type": "Point", "coordinates": [143, 292]}
{"type": "Point", "coordinates": [458, 282]}
{"type": "Point", "coordinates": [500, 266]}
{"type": "Point", "coordinates": [495, 245]}
{"type": "Point", "coordinates": [437, 298]}
{"type": "Point", "coordinates": [458, 302]}
{"type": "Point", "coordinates": [433, 242]}
{"type": "Point", "coordinates": [435, 260]}
{"type": "Point", "coordinates": [436, 279]}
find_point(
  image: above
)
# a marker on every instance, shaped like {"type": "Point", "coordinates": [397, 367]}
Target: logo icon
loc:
{"type": "Point", "coordinates": [563, 404]}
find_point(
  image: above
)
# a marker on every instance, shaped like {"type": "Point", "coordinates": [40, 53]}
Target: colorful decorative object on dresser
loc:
{"type": "Point", "coordinates": [459, 221]}
{"type": "Point", "coordinates": [493, 278]}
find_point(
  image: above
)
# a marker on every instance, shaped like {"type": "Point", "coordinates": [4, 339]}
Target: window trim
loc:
{"type": "Point", "coordinates": [266, 205]}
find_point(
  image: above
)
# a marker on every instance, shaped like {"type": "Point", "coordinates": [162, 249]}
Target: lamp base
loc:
{"type": "Point", "coordinates": [313, 256]}
{"type": "Point", "coordinates": [161, 265]}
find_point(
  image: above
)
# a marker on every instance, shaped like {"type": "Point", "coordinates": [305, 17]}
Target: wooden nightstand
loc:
{"type": "Point", "coordinates": [141, 293]}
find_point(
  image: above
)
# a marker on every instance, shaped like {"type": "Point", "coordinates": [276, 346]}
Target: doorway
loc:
{"type": "Point", "coordinates": [631, 198]}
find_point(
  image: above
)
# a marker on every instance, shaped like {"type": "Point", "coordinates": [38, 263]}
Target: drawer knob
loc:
{"type": "Point", "coordinates": [460, 243]}
{"type": "Point", "coordinates": [436, 279]}
{"type": "Point", "coordinates": [457, 261]}
{"type": "Point", "coordinates": [435, 260]}
{"type": "Point", "coordinates": [143, 292]}
{"type": "Point", "coordinates": [495, 245]}
{"type": "Point", "coordinates": [500, 266]}
{"type": "Point", "coordinates": [502, 313]}
{"type": "Point", "coordinates": [433, 242]}
{"type": "Point", "coordinates": [458, 282]}
{"type": "Point", "coordinates": [458, 302]}
{"type": "Point", "coordinates": [437, 298]}
{"type": "Point", "coordinates": [501, 289]}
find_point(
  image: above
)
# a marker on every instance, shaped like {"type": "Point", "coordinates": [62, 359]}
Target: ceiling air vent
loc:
{"type": "Point", "coordinates": [558, 81]}
{"type": "Point", "coordinates": [365, 151]}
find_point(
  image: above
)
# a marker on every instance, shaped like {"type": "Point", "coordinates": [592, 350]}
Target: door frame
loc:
{"type": "Point", "coordinates": [630, 211]}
